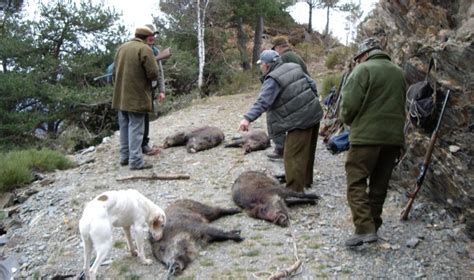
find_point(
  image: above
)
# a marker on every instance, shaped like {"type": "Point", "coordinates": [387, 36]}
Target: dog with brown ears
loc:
{"type": "Point", "coordinates": [128, 209]}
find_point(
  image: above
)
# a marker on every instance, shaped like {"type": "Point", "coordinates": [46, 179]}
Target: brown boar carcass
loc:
{"type": "Point", "coordinates": [187, 231]}
{"type": "Point", "coordinates": [253, 140]}
{"type": "Point", "coordinates": [262, 197]}
{"type": "Point", "coordinates": [197, 139]}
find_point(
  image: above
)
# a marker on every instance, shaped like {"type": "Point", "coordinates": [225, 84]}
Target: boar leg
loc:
{"type": "Point", "coordinates": [214, 213]}
{"type": "Point", "coordinates": [295, 201]}
{"type": "Point", "coordinates": [217, 235]}
{"type": "Point", "coordinates": [236, 142]}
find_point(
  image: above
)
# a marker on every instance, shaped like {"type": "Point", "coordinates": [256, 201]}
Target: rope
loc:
{"type": "Point", "coordinates": [170, 273]}
{"type": "Point", "coordinates": [289, 271]}
{"type": "Point", "coordinates": [240, 159]}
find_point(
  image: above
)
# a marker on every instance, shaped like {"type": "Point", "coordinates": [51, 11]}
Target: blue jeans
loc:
{"type": "Point", "coordinates": [132, 126]}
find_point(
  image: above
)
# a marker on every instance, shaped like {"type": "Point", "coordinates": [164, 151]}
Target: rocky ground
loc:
{"type": "Point", "coordinates": [43, 237]}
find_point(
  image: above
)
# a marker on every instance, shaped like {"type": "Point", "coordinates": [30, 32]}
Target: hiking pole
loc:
{"type": "Point", "coordinates": [426, 162]}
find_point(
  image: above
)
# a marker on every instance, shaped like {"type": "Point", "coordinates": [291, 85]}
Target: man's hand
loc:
{"type": "Point", "coordinates": [161, 97]}
{"type": "Point", "coordinates": [244, 125]}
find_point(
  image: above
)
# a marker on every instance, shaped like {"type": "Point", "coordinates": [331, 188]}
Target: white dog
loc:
{"type": "Point", "coordinates": [123, 208]}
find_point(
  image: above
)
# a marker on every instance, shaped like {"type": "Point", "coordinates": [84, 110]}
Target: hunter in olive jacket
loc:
{"type": "Point", "coordinates": [290, 56]}
{"type": "Point", "coordinates": [134, 69]}
{"type": "Point", "coordinates": [373, 102]}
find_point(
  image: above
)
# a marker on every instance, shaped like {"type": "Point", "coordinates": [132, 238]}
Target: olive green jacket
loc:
{"type": "Point", "coordinates": [134, 69]}
{"type": "Point", "coordinates": [373, 102]}
{"type": "Point", "coordinates": [290, 56]}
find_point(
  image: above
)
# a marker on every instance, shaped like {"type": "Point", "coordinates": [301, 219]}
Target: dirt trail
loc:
{"type": "Point", "coordinates": [47, 241]}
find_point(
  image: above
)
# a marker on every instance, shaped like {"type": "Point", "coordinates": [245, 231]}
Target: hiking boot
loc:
{"type": "Point", "coordinates": [146, 149]}
{"type": "Point", "coordinates": [123, 162]}
{"type": "Point", "coordinates": [359, 239]}
{"type": "Point", "coordinates": [276, 154]}
{"type": "Point", "coordinates": [144, 166]}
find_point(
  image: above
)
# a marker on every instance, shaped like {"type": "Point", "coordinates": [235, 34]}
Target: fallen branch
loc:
{"type": "Point", "coordinates": [286, 272]}
{"type": "Point", "coordinates": [154, 176]}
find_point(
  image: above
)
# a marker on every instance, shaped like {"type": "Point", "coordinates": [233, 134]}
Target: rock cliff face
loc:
{"type": "Point", "coordinates": [415, 31]}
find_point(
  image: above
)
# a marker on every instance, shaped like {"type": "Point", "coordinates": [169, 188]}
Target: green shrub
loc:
{"type": "Point", "coordinates": [240, 81]}
{"type": "Point", "coordinates": [310, 51]}
{"type": "Point", "coordinates": [16, 167]}
{"type": "Point", "coordinates": [330, 81]}
{"type": "Point", "coordinates": [339, 55]}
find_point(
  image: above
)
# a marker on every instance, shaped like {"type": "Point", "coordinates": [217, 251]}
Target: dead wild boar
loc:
{"type": "Point", "coordinates": [250, 141]}
{"type": "Point", "coordinates": [187, 231]}
{"type": "Point", "coordinates": [262, 197]}
{"type": "Point", "coordinates": [196, 139]}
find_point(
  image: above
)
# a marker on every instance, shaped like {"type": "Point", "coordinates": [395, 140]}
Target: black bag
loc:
{"type": "Point", "coordinates": [338, 143]}
{"type": "Point", "coordinates": [421, 100]}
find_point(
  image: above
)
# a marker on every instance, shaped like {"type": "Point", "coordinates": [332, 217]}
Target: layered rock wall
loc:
{"type": "Point", "coordinates": [415, 31]}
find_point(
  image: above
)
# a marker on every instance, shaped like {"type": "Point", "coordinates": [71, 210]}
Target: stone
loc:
{"type": "Point", "coordinates": [454, 148]}
{"type": "Point", "coordinates": [6, 199]}
{"type": "Point", "coordinates": [3, 214]}
{"type": "Point", "coordinates": [3, 240]}
{"type": "Point", "coordinates": [412, 242]}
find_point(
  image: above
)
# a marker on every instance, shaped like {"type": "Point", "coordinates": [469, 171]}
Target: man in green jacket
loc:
{"type": "Point", "coordinates": [134, 70]}
{"type": "Point", "coordinates": [280, 45]}
{"type": "Point", "coordinates": [293, 108]}
{"type": "Point", "coordinates": [373, 105]}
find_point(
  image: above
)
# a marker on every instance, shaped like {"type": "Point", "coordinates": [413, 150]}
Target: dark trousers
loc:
{"type": "Point", "coordinates": [298, 157]}
{"type": "Point", "coordinates": [279, 142]}
{"type": "Point", "coordinates": [146, 132]}
{"type": "Point", "coordinates": [374, 163]}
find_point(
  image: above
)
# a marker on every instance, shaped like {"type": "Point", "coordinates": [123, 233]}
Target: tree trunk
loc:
{"type": "Point", "coordinates": [257, 39]}
{"type": "Point", "coordinates": [4, 66]}
{"type": "Point", "coordinates": [201, 16]}
{"type": "Point", "coordinates": [326, 31]}
{"type": "Point", "coordinates": [310, 25]}
{"type": "Point", "coordinates": [242, 45]}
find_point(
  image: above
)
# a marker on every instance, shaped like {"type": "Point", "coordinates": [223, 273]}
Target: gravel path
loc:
{"type": "Point", "coordinates": [44, 237]}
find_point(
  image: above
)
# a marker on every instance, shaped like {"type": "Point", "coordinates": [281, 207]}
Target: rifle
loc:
{"type": "Point", "coordinates": [426, 163]}
{"type": "Point", "coordinates": [333, 111]}
{"type": "Point", "coordinates": [164, 55]}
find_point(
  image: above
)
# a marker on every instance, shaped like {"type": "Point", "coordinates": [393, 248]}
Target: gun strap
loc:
{"type": "Point", "coordinates": [432, 64]}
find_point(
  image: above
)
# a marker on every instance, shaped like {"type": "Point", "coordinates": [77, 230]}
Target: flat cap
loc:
{"type": "Point", "coordinates": [279, 41]}
{"type": "Point", "coordinates": [152, 27]}
{"type": "Point", "coordinates": [144, 30]}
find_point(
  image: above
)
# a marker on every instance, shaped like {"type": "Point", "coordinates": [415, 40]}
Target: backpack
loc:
{"type": "Point", "coordinates": [421, 100]}
{"type": "Point", "coordinates": [338, 143]}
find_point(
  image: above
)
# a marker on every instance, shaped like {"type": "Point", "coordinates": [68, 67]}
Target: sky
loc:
{"type": "Point", "coordinates": [136, 12]}
{"type": "Point", "coordinates": [139, 12]}
{"type": "Point", "coordinates": [300, 12]}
